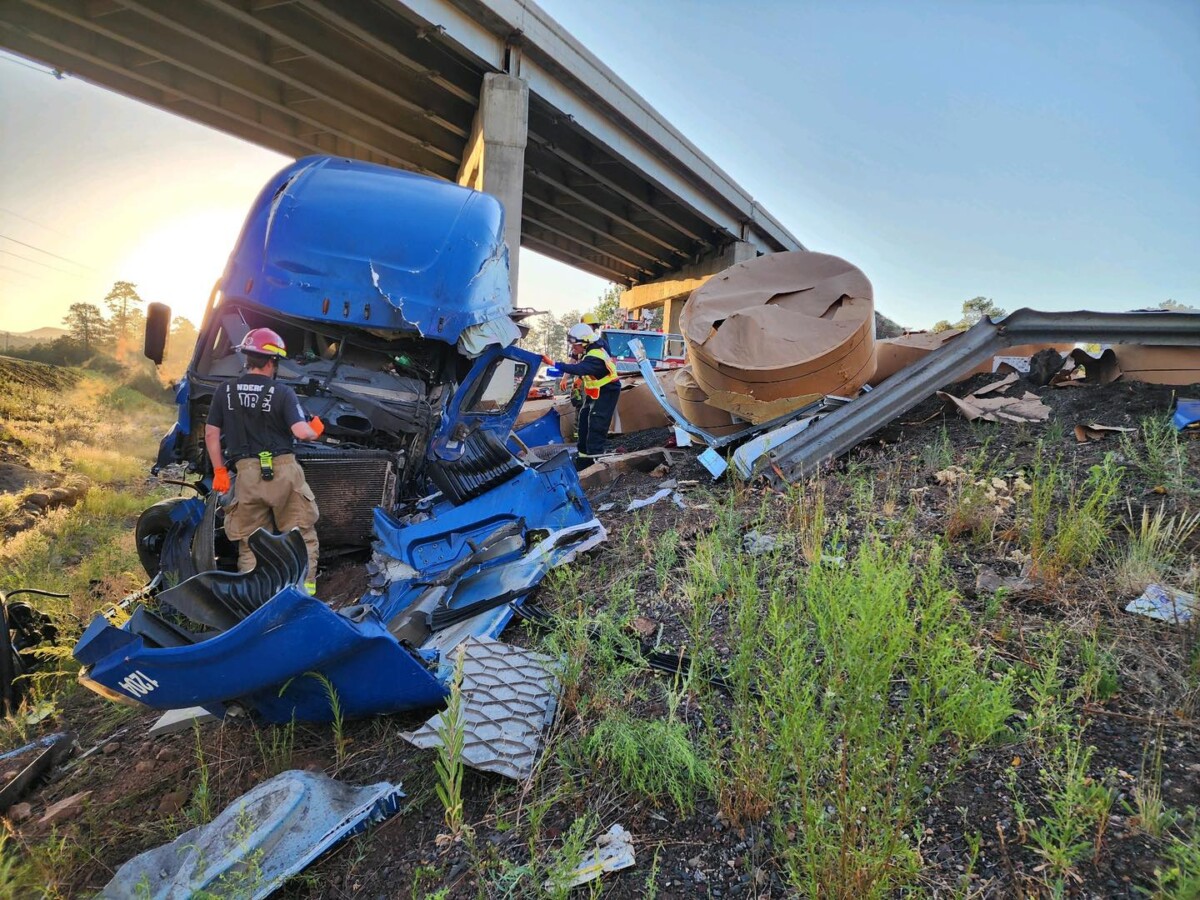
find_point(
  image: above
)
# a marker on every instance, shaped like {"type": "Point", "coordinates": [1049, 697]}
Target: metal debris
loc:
{"type": "Point", "coordinates": [260, 840]}
{"type": "Point", "coordinates": [510, 696]}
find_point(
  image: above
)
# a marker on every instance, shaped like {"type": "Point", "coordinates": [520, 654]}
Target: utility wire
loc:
{"type": "Point", "coordinates": [13, 212]}
{"type": "Point", "coordinates": [38, 262]}
{"type": "Point", "coordinates": [47, 252]}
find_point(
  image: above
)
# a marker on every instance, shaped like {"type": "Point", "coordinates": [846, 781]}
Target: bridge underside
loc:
{"type": "Point", "coordinates": [377, 80]}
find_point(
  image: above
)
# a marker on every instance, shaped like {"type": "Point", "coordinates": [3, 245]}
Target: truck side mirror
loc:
{"type": "Point", "coordinates": [158, 326]}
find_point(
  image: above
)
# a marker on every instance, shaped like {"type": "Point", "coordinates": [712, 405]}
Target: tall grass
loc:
{"type": "Point", "coordinates": [844, 679]}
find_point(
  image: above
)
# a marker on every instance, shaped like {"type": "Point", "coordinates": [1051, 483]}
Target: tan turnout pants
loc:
{"type": "Point", "coordinates": [281, 504]}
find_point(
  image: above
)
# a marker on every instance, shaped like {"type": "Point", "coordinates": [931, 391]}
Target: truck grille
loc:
{"type": "Point", "coordinates": [348, 486]}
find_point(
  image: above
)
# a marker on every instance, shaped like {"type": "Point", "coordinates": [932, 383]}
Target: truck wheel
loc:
{"type": "Point", "coordinates": [151, 533]}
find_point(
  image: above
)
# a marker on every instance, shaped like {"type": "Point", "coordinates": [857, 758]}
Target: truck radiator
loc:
{"type": "Point", "coordinates": [348, 485]}
{"type": "Point", "coordinates": [485, 463]}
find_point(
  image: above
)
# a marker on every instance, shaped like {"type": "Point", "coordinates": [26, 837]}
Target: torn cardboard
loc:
{"type": "Point", "coordinates": [982, 405]}
{"type": "Point", "coordinates": [1097, 432]}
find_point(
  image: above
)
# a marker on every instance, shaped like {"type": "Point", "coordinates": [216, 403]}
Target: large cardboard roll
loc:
{"type": "Point", "coordinates": [776, 332]}
{"type": "Point", "coordinates": [695, 408]}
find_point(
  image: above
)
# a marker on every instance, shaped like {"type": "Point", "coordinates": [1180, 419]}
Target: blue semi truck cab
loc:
{"type": "Point", "coordinates": [391, 291]}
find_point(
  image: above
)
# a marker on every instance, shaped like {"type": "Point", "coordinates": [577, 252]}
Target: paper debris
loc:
{"type": "Point", "coordinates": [1026, 408]}
{"type": "Point", "coordinates": [682, 438]}
{"type": "Point", "coordinates": [1165, 604]}
{"type": "Point", "coordinates": [1097, 432]}
{"type": "Point", "coordinates": [614, 851]}
{"type": "Point", "coordinates": [989, 581]}
{"type": "Point", "coordinates": [648, 501]}
{"type": "Point", "coordinates": [605, 507]}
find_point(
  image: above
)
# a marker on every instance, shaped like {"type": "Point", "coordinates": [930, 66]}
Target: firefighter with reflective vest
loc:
{"type": "Point", "coordinates": [601, 390]}
{"type": "Point", "coordinates": [260, 419]}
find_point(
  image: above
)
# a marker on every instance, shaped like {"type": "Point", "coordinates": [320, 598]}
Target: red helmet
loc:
{"type": "Point", "coordinates": [264, 341]}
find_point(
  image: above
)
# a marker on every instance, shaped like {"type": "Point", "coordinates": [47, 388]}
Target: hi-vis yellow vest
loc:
{"type": "Point", "coordinates": [591, 386]}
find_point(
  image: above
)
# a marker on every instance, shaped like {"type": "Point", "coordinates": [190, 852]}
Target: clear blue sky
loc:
{"type": "Point", "coordinates": [1042, 154]}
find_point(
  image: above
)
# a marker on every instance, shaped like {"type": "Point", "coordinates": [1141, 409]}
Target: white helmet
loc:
{"type": "Point", "coordinates": [581, 333]}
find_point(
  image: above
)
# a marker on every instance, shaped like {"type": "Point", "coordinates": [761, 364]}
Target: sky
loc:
{"type": "Point", "coordinates": [1041, 153]}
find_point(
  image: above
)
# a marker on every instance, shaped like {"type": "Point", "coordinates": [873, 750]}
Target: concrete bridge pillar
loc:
{"type": "Point", "coordinates": [494, 160]}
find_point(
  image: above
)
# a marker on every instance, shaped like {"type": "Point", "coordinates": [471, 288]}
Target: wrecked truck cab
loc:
{"type": "Point", "coordinates": [391, 292]}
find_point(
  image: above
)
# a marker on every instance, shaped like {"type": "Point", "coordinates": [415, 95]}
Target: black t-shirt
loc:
{"type": "Point", "coordinates": [255, 413]}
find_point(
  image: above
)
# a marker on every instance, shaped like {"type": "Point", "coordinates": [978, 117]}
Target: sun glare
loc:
{"type": "Point", "coordinates": [178, 262]}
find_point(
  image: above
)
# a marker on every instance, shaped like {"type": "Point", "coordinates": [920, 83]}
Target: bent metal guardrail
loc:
{"type": "Point", "coordinates": [842, 429]}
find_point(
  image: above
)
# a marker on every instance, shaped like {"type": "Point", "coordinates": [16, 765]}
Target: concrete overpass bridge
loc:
{"type": "Point", "coordinates": [493, 95]}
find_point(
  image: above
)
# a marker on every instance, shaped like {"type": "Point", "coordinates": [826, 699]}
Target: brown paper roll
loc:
{"type": "Point", "coordinates": [773, 333]}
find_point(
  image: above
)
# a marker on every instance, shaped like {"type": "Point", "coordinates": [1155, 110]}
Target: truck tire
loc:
{"type": "Point", "coordinates": [150, 535]}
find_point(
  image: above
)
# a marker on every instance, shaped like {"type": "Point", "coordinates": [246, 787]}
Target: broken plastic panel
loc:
{"type": "Point", "coordinates": [509, 698]}
{"type": "Point", "coordinates": [260, 840]}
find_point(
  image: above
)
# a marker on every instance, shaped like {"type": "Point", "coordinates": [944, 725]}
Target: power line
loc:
{"type": "Point", "coordinates": [47, 252]}
{"type": "Point", "coordinates": [13, 212]}
{"type": "Point", "coordinates": [38, 262]}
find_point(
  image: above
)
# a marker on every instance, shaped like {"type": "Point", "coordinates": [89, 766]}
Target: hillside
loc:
{"type": "Point", "coordinates": [19, 340]}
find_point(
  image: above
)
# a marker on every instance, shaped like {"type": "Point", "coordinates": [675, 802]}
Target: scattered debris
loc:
{"type": "Point", "coordinates": [978, 405]}
{"type": "Point", "coordinates": [714, 462]}
{"type": "Point", "coordinates": [614, 851]}
{"type": "Point", "coordinates": [682, 438]}
{"type": "Point", "coordinates": [176, 720]}
{"type": "Point", "coordinates": [989, 581]}
{"type": "Point", "coordinates": [509, 699]}
{"type": "Point", "coordinates": [649, 501]}
{"type": "Point", "coordinates": [609, 468]}
{"type": "Point", "coordinates": [261, 839]}
{"type": "Point", "coordinates": [1187, 414]}
{"type": "Point", "coordinates": [605, 507]}
{"type": "Point", "coordinates": [757, 544]}
{"type": "Point", "coordinates": [1165, 604]}
{"type": "Point", "coordinates": [55, 748]}
{"type": "Point", "coordinates": [643, 627]}
{"type": "Point", "coordinates": [1097, 432]}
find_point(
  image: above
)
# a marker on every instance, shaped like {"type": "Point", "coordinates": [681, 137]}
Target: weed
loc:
{"type": "Point", "coordinates": [564, 861]}
{"type": "Point", "coordinates": [200, 810]}
{"type": "Point", "coordinates": [1100, 678]}
{"type": "Point", "coordinates": [1180, 880]}
{"type": "Point", "coordinates": [807, 518]}
{"type": "Point", "coordinates": [1077, 806]}
{"type": "Point", "coordinates": [1153, 815]}
{"type": "Point", "coordinates": [1049, 702]}
{"type": "Point", "coordinates": [337, 722]}
{"type": "Point", "coordinates": [938, 454]}
{"type": "Point", "coordinates": [1152, 551]}
{"type": "Point", "coordinates": [449, 763]}
{"type": "Point", "coordinates": [1068, 537]}
{"type": "Point", "coordinates": [1159, 454]}
{"type": "Point", "coordinates": [277, 748]}
{"type": "Point", "coordinates": [653, 758]}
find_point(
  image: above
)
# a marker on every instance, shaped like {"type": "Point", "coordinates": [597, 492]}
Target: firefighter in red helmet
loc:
{"type": "Point", "coordinates": [259, 420]}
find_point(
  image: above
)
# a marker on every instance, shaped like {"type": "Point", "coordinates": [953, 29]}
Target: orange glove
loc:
{"type": "Point", "coordinates": [317, 425]}
{"type": "Point", "coordinates": [221, 480]}
{"type": "Point", "coordinates": [547, 360]}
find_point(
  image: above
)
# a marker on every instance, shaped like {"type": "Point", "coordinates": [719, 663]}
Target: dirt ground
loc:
{"type": "Point", "coordinates": [143, 790]}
